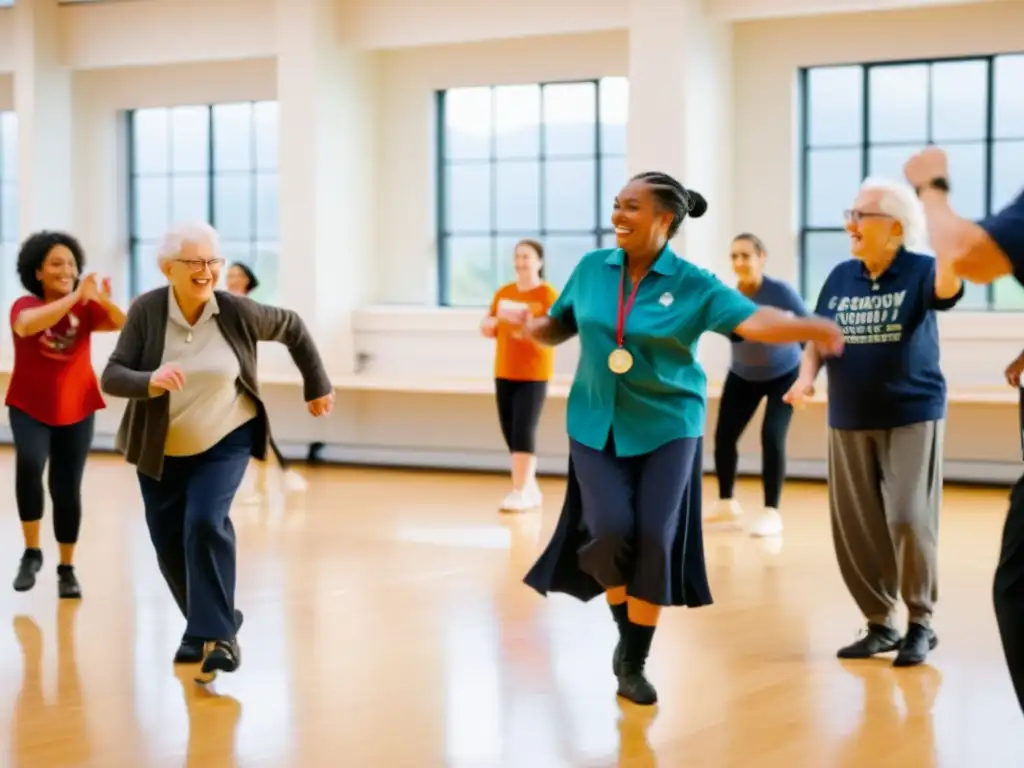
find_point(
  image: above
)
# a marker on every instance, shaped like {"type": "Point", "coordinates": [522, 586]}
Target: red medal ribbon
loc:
{"type": "Point", "coordinates": [625, 309]}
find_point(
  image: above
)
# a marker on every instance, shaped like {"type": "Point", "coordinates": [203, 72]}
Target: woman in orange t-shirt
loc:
{"type": "Point", "coordinates": [522, 368]}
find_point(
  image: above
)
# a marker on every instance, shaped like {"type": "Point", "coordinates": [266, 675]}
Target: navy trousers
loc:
{"type": "Point", "coordinates": [187, 514]}
{"type": "Point", "coordinates": [634, 509]}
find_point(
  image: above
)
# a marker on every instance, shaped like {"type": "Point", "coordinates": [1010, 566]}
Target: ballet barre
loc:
{"type": "Point", "coordinates": [558, 387]}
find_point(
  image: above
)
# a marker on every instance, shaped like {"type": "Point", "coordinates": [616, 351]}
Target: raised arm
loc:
{"type": "Point", "coordinates": [33, 320]}
{"type": "Point", "coordinates": [981, 252]}
{"type": "Point", "coordinates": [111, 317]}
{"type": "Point", "coordinates": [286, 327]}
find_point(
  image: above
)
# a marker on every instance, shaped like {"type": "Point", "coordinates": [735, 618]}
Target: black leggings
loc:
{"type": "Point", "coordinates": [519, 407]}
{"type": "Point", "coordinates": [66, 448]}
{"type": "Point", "coordinates": [740, 399]}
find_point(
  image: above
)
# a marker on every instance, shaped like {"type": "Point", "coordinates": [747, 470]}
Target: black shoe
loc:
{"type": "Point", "coordinates": [191, 649]}
{"type": "Point", "coordinates": [633, 683]}
{"type": "Point", "coordinates": [31, 562]}
{"type": "Point", "coordinates": [68, 587]}
{"type": "Point", "coordinates": [879, 639]}
{"type": "Point", "coordinates": [916, 645]}
{"type": "Point", "coordinates": [221, 656]}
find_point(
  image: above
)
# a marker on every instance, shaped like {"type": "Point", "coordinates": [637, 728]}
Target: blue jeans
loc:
{"type": "Point", "coordinates": [187, 514]}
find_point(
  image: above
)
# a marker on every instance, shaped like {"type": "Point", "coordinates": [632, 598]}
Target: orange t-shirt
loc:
{"type": "Point", "coordinates": [517, 358]}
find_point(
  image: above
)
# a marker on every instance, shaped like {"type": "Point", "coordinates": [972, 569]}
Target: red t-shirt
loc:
{"type": "Point", "coordinates": [53, 380]}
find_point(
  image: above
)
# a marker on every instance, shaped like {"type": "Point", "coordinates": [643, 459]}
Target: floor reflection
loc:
{"type": "Point", "coordinates": [387, 625]}
{"type": "Point", "coordinates": [213, 720]}
{"type": "Point", "coordinates": [50, 729]}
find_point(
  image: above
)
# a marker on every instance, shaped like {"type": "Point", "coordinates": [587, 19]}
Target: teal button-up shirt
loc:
{"type": "Point", "coordinates": [663, 396]}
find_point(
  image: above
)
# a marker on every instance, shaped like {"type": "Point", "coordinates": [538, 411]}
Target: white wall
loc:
{"type": "Point", "coordinates": [225, 51]}
{"type": "Point", "coordinates": [976, 347]}
{"type": "Point", "coordinates": [766, 56]}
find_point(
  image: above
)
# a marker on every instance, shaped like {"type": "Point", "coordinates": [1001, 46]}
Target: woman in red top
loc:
{"type": "Point", "coordinates": [53, 394]}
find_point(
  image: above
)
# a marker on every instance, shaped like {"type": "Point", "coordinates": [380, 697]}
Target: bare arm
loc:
{"type": "Point", "coordinates": [810, 365]}
{"type": "Point", "coordinates": [772, 326]}
{"type": "Point", "coordinates": [29, 322]}
{"type": "Point", "coordinates": [964, 246]}
{"type": "Point", "coordinates": [549, 331]}
{"type": "Point", "coordinates": [489, 327]}
{"type": "Point", "coordinates": [115, 317]}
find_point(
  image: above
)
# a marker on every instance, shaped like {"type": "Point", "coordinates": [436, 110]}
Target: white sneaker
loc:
{"type": "Point", "coordinates": [768, 523]}
{"type": "Point", "coordinates": [533, 494]}
{"type": "Point", "coordinates": [516, 501]}
{"type": "Point", "coordinates": [294, 482]}
{"type": "Point", "coordinates": [725, 511]}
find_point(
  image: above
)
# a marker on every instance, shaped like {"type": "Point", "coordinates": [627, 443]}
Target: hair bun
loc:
{"type": "Point", "coordinates": [698, 205]}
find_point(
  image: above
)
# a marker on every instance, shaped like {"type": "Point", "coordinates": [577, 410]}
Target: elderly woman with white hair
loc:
{"type": "Point", "coordinates": [886, 414]}
{"type": "Point", "coordinates": [186, 360]}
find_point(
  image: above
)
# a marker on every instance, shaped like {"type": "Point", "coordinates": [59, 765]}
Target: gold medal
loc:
{"type": "Point", "coordinates": [620, 360]}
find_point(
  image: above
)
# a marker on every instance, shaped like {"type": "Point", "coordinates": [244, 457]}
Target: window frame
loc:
{"type": "Point", "coordinates": [865, 145]}
{"type": "Point", "coordinates": [442, 162]}
{"type": "Point", "coordinates": [254, 172]}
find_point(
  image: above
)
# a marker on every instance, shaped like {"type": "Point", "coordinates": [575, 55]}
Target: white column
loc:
{"type": "Point", "coordinates": [327, 194]}
{"type": "Point", "coordinates": [680, 116]}
{"type": "Point", "coordinates": [43, 104]}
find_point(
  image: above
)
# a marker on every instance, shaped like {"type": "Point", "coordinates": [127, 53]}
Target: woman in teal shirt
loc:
{"type": "Point", "coordinates": [631, 522]}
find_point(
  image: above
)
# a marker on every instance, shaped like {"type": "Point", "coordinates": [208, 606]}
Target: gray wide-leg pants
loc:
{"type": "Point", "coordinates": [885, 492]}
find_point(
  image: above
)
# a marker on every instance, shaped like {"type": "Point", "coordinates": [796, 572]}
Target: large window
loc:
{"type": "Point", "coordinates": [539, 161]}
{"type": "Point", "coordinates": [209, 163]}
{"type": "Point", "coordinates": [867, 119]}
{"type": "Point", "coordinates": [10, 287]}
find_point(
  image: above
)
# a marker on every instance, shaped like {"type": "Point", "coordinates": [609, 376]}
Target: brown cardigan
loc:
{"type": "Point", "coordinates": [140, 350]}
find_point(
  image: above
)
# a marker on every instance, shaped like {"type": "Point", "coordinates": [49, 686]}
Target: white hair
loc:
{"type": "Point", "coordinates": [180, 235]}
{"type": "Point", "coordinates": [901, 202]}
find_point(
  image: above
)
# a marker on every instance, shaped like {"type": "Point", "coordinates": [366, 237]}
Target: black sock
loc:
{"type": "Point", "coordinates": [638, 645]}
{"type": "Point", "coordinates": [62, 568]}
{"type": "Point", "coordinates": [620, 612]}
{"type": "Point", "coordinates": [34, 552]}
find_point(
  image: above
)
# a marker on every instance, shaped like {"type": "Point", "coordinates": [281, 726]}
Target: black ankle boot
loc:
{"type": "Point", "coordinates": [620, 613]}
{"type": "Point", "coordinates": [633, 684]}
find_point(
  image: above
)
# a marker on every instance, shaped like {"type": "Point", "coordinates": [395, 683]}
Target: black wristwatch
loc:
{"type": "Point", "coordinates": [938, 183]}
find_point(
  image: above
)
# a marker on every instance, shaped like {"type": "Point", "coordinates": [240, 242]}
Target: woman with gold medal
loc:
{"type": "Point", "coordinates": [631, 522]}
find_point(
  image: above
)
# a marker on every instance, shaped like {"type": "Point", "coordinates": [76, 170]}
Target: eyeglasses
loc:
{"type": "Point", "coordinates": [197, 265]}
{"type": "Point", "coordinates": [855, 217]}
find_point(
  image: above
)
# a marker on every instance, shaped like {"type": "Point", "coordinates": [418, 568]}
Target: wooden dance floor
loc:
{"type": "Point", "coordinates": [386, 625]}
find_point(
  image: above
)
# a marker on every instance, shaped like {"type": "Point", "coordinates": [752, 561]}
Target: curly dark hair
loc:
{"type": "Point", "coordinates": [34, 252]}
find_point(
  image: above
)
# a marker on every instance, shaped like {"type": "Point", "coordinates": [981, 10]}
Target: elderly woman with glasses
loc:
{"type": "Point", "coordinates": [886, 413]}
{"type": "Point", "coordinates": [186, 361]}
